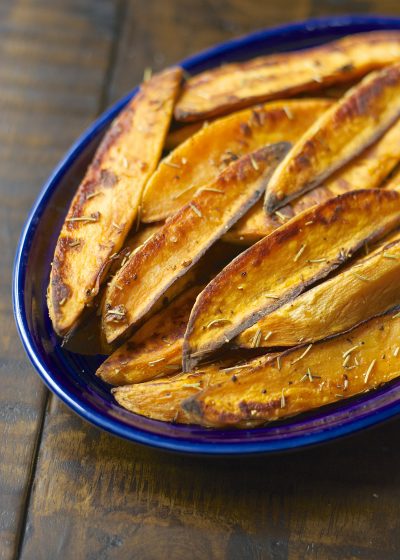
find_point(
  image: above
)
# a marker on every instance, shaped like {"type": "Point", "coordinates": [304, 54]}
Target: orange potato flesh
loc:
{"type": "Point", "coordinates": [232, 86]}
{"type": "Point", "coordinates": [368, 287]}
{"type": "Point", "coordinates": [282, 265]}
{"type": "Point", "coordinates": [184, 238]}
{"type": "Point", "coordinates": [366, 171]}
{"type": "Point", "coordinates": [204, 155]}
{"type": "Point", "coordinates": [304, 379]}
{"type": "Point", "coordinates": [106, 203]}
{"type": "Point", "coordinates": [341, 133]}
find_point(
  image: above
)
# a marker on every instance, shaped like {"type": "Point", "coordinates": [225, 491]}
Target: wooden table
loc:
{"type": "Point", "coordinates": [69, 491]}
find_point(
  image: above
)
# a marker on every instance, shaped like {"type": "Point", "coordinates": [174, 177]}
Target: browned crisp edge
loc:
{"type": "Point", "coordinates": [277, 151]}
{"type": "Point", "coordinates": [338, 76]}
{"type": "Point", "coordinates": [285, 231]}
{"type": "Point", "coordinates": [355, 102]}
{"type": "Point", "coordinates": [57, 288]}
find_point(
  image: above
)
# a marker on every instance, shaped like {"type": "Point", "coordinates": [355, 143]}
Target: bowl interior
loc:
{"type": "Point", "coordinates": [71, 376]}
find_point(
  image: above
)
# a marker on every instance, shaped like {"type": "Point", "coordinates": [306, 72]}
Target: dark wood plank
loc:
{"type": "Point", "coordinates": [53, 61]}
{"type": "Point", "coordinates": [97, 497]}
{"type": "Point", "coordinates": [156, 34]}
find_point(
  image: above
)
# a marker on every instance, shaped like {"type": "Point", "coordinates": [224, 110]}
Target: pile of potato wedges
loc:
{"type": "Point", "coordinates": [237, 235]}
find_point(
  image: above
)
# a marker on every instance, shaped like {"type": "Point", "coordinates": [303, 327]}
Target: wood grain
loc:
{"type": "Point", "coordinates": [95, 496]}
{"type": "Point", "coordinates": [53, 60]}
{"type": "Point", "coordinates": [98, 497]}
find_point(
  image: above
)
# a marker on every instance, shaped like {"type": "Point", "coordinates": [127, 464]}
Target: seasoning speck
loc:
{"type": "Point", "coordinates": [368, 372]}
{"type": "Point", "coordinates": [170, 164]}
{"type": "Point", "coordinates": [257, 339]}
{"type": "Point", "coordinates": [147, 73]}
{"type": "Point", "coordinates": [117, 314]}
{"type": "Point", "coordinates": [288, 112]}
{"type": "Point", "coordinates": [254, 163]}
{"type": "Point", "coordinates": [217, 322]}
{"type": "Point", "coordinates": [299, 253]}
{"type": "Point", "coordinates": [306, 351]}
{"type": "Point", "coordinates": [196, 210]}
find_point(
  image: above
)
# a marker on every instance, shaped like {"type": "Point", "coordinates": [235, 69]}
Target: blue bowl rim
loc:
{"type": "Point", "coordinates": [84, 409]}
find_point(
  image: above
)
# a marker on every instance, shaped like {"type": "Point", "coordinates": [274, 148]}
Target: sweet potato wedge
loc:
{"type": "Point", "coordinates": [201, 158]}
{"type": "Point", "coordinates": [106, 203]}
{"type": "Point", "coordinates": [161, 399]}
{"type": "Point", "coordinates": [155, 349]}
{"type": "Point", "coordinates": [232, 86]}
{"type": "Point", "coordinates": [185, 237]}
{"type": "Point", "coordinates": [282, 265]}
{"type": "Point", "coordinates": [366, 171]}
{"type": "Point", "coordinates": [304, 379]}
{"type": "Point", "coordinates": [367, 288]}
{"type": "Point", "coordinates": [341, 133]}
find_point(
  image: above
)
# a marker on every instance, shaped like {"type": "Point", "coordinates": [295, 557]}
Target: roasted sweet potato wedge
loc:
{"type": "Point", "coordinates": [341, 133]}
{"type": "Point", "coordinates": [185, 237]}
{"type": "Point", "coordinates": [161, 399]}
{"type": "Point", "coordinates": [282, 265]}
{"type": "Point", "coordinates": [304, 379]}
{"type": "Point", "coordinates": [231, 86]}
{"type": "Point", "coordinates": [106, 203]}
{"type": "Point", "coordinates": [366, 171]}
{"type": "Point", "coordinates": [368, 287]}
{"type": "Point", "coordinates": [155, 349]}
{"type": "Point", "coordinates": [201, 158]}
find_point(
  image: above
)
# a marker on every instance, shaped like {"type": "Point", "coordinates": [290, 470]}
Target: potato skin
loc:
{"type": "Point", "coordinates": [351, 125]}
{"type": "Point", "coordinates": [368, 287]}
{"type": "Point", "coordinates": [204, 155]}
{"type": "Point", "coordinates": [185, 237]}
{"type": "Point", "coordinates": [232, 86]}
{"type": "Point", "coordinates": [366, 171]}
{"type": "Point", "coordinates": [282, 265]}
{"type": "Point", "coordinates": [304, 378]}
{"type": "Point", "coordinates": [106, 203]}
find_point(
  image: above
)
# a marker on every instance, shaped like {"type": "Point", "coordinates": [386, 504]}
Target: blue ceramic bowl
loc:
{"type": "Point", "coordinates": [71, 376]}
